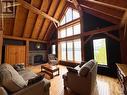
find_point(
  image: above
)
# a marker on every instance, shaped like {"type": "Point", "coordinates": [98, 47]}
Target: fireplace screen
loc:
{"type": "Point", "coordinates": [38, 59]}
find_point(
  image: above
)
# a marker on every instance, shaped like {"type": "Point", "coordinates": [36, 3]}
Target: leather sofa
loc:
{"type": "Point", "coordinates": [83, 81]}
{"type": "Point", "coordinates": [39, 88]}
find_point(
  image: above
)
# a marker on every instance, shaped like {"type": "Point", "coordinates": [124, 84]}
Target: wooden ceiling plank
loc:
{"type": "Point", "coordinates": [120, 3]}
{"type": "Point", "coordinates": [101, 14]}
{"type": "Point", "coordinates": [23, 39]}
{"type": "Point", "coordinates": [56, 16]}
{"type": "Point", "coordinates": [40, 20]}
{"type": "Point", "coordinates": [106, 9]}
{"type": "Point", "coordinates": [37, 11]}
{"type": "Point", "coordinates": [20, 20]}
{"type": "Point", "coordinates": [47, 21]}
{"type": "Point", "coordinates": [109, 5]}
{"type": "Point", "coordinates": [31, 19]}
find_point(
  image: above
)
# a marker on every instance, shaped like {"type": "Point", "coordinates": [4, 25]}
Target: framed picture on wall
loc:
{"type": "Point", "coordinates": [8, 8]}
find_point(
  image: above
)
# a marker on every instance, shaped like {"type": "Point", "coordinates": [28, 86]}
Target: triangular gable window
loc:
{"type": "Point", "coordinates": [70, 15]}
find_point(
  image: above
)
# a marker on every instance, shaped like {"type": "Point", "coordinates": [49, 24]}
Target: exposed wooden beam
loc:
{"type": "Point", "coordinates": [124, 24]}
{"type": "Point", "coordinates": [23, 39]}
{"type": "Point", "coordinates": [75, 2]}
{"type": "Point", "coordinates": [1, 44]}
{"type": "Point", "coordinates": [51, 12]}
{"type": "Point", "coordinates": [56, 16]}
{"type": "Point", "coordinates": [40, 20]}
{"type": "Point", "coordinates": [88, 39]}
{"type": "Point", "coordinates": [31, 19]}
{"type": "Point", "coordinates": [112, 36]}
{"type": "Point", "coordinates": [1, 34]}
{"type": "Point", "coordinates": [101, 14]}
{"type": "Point", "coordinates": [27, 53]}
{"type": "Point", "coordinates": [36, 10]}
{"type": "Point", "coordinates": [102, 30]}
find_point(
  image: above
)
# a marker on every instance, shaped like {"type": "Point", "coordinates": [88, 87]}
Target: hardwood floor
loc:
{"type": "Point", "coordinates": [105, 85]}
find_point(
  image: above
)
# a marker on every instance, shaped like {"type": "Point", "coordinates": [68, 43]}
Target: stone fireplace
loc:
{"type": "Point", "coordinates": [37, 57]}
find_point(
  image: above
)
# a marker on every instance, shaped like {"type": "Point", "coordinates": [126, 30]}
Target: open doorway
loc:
{"type": "Point", "coordinates": [100, 51]}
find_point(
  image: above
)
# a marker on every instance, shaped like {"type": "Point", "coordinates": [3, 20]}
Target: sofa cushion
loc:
{"type": "Point", "coordinates": [27, 74]}
{"type": "Point", "coordinates": [86, 68]}
{"type": "Point", "coordinates": [10, 78]}
{"type": "Point", "coordinates": [36, 79]}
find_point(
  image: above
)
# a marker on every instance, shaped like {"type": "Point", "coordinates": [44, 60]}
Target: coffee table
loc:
{"type": "Point", "coordinates": [49, 69]}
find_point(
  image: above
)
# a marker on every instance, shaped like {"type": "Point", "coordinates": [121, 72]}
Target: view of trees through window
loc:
{"type": "Point", "coordinates": [100, 54]}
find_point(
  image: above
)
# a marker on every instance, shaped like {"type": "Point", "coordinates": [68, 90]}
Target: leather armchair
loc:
{"type": "Point", "coordinates": [81, 83]}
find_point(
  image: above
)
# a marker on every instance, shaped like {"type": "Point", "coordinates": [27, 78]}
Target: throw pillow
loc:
{"type": "Point", "coordinates": [70, 69]}
{"type": "Point", "coordinates": [36, 79]}
{"type": "Point", "coordinates": [19, 67]}
{"type": "Point", "coordinates": [10, 79]}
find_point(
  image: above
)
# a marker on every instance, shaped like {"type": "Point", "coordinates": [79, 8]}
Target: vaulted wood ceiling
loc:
{"type": "Point", "coordinates": [37, 19]}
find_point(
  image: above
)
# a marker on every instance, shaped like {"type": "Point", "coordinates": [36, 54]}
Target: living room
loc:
{"type": "Point", "coordinates": [63, 47]}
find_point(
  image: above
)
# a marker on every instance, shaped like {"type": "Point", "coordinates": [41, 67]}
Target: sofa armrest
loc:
{"type": "Point", "coordinates": [3, 91]}
{"type": "Point", "coordinates": [39, 88]}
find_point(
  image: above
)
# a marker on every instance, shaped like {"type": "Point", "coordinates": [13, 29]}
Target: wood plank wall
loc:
{"type": "Point", "coordinates": [1, 33]}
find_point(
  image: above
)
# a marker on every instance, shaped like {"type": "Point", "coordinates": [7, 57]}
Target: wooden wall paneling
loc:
{"type": "Point", "coordinates": [47, 22]}
{"type": "Point", "coordinates": [27, 53]}
{"type": "Point", "coordinates": [15, 54]}
{"type": "Point", "coordinates": [20, 20]}
{"type": "Point", "coordinates": [56, 16]}
{"type": "Point", "coordinates": [8, 26]}
{"type": "Point", "coordinates": [40, 20]}
{"type": "Point", "coordinates": [1, 33]}
{"type": "Point", "coordinates": [31, 19]}
{"type": "Point", "coordinates": [23, 39]}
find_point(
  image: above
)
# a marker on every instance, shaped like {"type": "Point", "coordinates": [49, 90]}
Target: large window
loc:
{"type": "Point", "coordinates": [63, 51]}
{"type": "Point", "coordinates": [53, 49]}
{"type": "Point", "coordinates": [100, 53]}
{"type": "Point", "coordinates": [69, 31]}
{"type": "Point", "coordinates": [77, 50]}
{"type": "Point", "coordinates": [70, 50]}
{"type": "Point", "coordinates": [70, 15]}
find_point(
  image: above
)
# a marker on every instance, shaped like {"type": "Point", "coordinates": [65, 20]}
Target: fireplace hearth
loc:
{"type": "Point", "coordinates": [37, 57]}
